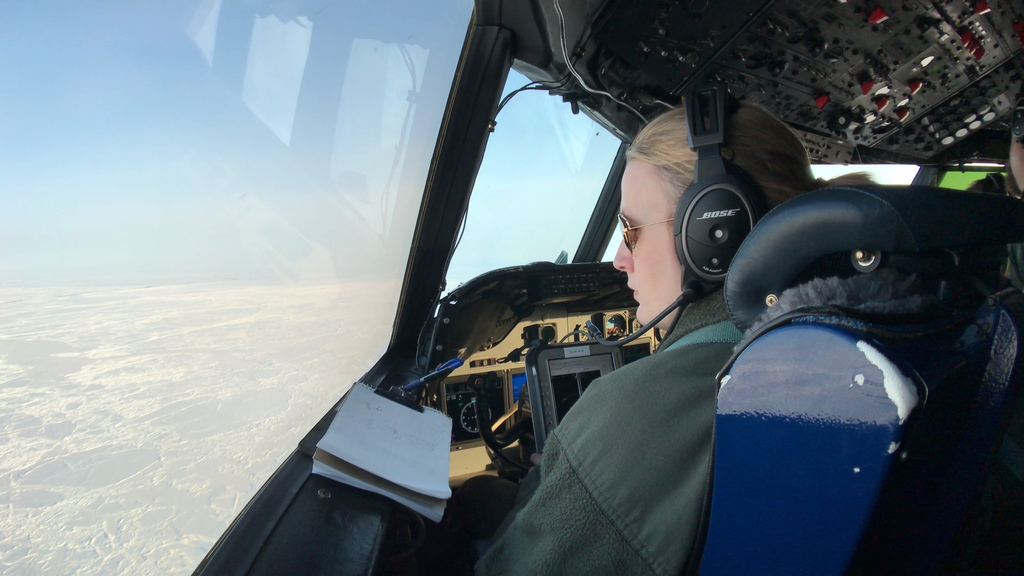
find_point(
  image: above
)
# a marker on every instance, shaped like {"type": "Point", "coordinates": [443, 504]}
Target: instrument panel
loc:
{"type": "Point", "coordinates": [503, 365]}
{"type": "Point", "coordinates": [909, 79]}
{"type": "Point", "coordinates": [461, 406]}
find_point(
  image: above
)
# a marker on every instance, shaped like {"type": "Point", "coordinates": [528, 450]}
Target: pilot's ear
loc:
{"type": "Point", "coordinates": [727, 154]}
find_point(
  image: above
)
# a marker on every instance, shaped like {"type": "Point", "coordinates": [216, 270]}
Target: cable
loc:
{"type": "Point", "coordinates": [530, 86]}
{"type": "Point", "coordinates": [439, 372]}
{"type": "Point", "coordinates": [487, 434]}
{"type": "Point", "coordinates": [562, 82]}
{"type": "Point", "coordinates": [691, 293]}
{"type": "Point", "coordinates": [574, 332]}
{"type": "Point", "coordinates": [572, 70]}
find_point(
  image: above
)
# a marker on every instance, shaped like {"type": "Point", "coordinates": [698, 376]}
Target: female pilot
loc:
{"type": "Point", "coordinates": [622, 481]}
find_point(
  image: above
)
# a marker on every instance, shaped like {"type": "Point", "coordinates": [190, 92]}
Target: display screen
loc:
{"type": "Point", "coordinates": [634, 352]}
{"type": "Point", "coordinates": [460, 401]}
{"type": "Point", "coordinates": [462, 410]}
{"type": "Point", "coordinates": [570, 377]}
{"type": "Point", "coordinates": [518, 381]}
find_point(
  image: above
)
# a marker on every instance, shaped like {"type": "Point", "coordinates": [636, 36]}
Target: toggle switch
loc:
{"type": "Point", "coordinates": [969, 41]}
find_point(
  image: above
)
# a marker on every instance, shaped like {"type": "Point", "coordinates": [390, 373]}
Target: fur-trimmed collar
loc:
{"type": "Point", "coordinates": [885, 291]}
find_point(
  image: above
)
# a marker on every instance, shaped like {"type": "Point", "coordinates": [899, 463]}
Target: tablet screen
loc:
{"type": "Point", "coordinates": [571, 376]}
{"type": "Point", "coordinates": [558, 375]}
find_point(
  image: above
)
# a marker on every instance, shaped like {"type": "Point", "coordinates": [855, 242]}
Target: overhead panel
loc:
{"type": "Point", "coordinates": [911, 77]}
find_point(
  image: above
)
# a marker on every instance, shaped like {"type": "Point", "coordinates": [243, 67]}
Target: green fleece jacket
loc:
{"type": "Point", "coordinates": [621, 484]}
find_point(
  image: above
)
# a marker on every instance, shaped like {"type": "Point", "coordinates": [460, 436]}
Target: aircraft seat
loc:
{"type": "Point", "coordinates": [855, 437]}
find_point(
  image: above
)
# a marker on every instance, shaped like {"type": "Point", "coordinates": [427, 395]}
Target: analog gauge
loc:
{"type": "Point", "coordinates": [468, 418]}
{"type": "Point", "coordinates": [615, 326]}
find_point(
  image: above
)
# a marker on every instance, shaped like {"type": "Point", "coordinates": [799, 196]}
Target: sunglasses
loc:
{"type": "Point", "coordinates": [630, 234]}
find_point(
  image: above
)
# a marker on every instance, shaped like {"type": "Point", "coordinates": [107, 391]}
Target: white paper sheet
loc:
{"type": "Point", "coordinates": [393, 442]}
{"type": "Point", "coordinates": [326, 465]}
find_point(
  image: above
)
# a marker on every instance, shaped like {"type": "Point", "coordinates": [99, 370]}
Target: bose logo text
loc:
{"type": "Point", "coordinates": [719, 214]}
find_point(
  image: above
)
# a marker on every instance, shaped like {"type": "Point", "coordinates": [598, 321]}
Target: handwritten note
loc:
{"type": "Point", "coordinates": [392, 442]}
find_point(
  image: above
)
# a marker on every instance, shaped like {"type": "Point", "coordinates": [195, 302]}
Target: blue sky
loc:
{"type": "Point", "coordinates": [192, 141]}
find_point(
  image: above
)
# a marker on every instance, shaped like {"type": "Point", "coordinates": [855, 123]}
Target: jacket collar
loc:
{"type": "Point", "coordinates": [704, 312]}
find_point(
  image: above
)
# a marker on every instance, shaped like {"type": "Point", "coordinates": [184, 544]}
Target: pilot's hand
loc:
{"type": "Point", "coordinates": [535, 459]}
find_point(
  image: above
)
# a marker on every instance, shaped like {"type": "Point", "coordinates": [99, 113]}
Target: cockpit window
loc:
{"type": "Point", "coordinates": [538, 183]}
{"type": "Point", "coordinates": [208, 207]}
{"type": "Point", "coordinates": [978, 177]}
{"type": "Point", "coordinates": [889, 174]}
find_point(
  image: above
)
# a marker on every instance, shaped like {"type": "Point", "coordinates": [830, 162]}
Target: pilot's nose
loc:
{"type": "Point", "coordinates": [623, 258]}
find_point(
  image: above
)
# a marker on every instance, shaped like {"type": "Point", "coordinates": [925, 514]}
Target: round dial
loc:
{"type": "Point", "coordinates": [615, 325]}
{"type": "Point", "coordinates": [468, 418]}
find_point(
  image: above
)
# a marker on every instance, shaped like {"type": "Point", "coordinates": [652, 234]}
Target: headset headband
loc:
{"type": "Point", "coordinates": [721, 206]}
{"type": "Point", "coordinates": [705, 129]}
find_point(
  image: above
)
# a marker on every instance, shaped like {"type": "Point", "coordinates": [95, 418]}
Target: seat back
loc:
{"type": "Point", "coordinates": [849, 442]}
{"type": "Point", "coordinates": [837, 452]}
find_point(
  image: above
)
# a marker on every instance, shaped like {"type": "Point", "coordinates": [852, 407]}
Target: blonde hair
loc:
{"type": "Point", "coordinates": [755, 140]}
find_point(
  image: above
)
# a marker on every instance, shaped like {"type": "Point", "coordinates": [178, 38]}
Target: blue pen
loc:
{"type": "Point", "coordinates": [442, 369]}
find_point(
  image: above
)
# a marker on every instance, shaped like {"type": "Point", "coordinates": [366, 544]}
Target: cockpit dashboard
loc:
{"type": "Point", "coordinates": [506, 321]}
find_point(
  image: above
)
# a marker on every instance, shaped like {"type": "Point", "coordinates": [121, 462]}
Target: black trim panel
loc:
{"type": "Point", "coordinates": [602, 220]}
{"type": "Point", "coordinates": [460, 150]}
{"type": "Point", "coordinates": [241, 543]}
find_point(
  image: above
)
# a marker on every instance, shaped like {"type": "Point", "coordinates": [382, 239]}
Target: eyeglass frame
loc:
{"type": "Point", "coordinates": [630, 230]}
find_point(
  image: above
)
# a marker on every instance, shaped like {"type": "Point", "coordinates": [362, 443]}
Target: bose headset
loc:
{"type": "Point", "coordinates": [722, 205]}
{"type": "Point", "coordinates": [716, 211]}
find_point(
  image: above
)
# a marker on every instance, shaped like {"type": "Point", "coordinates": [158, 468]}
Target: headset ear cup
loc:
{"type": "Point", "coordinates": [712, 219]}
{"type": "Point", "coordinates": [679, 221]}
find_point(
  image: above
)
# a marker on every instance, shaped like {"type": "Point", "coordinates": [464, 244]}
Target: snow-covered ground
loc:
{"type": "Point", "coordinates": [135, 423]}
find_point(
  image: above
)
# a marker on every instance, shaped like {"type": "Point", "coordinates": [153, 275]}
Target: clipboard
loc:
{"type": "Point", "coordinates": [379, 445]}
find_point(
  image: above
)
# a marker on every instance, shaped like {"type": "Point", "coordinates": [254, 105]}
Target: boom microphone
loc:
{"type": "Point", "coordinates": [691, 292]}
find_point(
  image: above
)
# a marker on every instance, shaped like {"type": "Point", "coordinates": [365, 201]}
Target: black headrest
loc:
{"type": "Point", "coordinates": [900, 219]}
